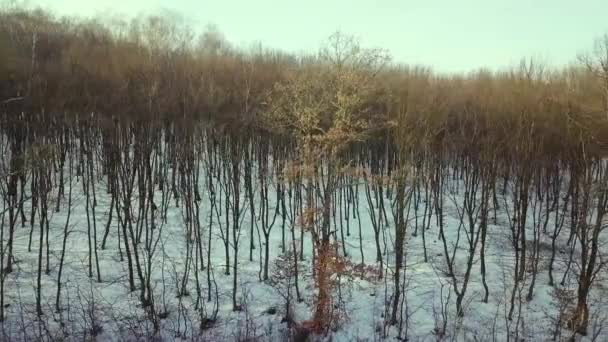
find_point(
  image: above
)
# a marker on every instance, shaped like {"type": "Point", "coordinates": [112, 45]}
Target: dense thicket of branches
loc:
{"type": "Point", "coordinates": [168, 118]}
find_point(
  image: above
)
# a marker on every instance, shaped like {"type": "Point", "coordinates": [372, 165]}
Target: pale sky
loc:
{"type": "Point", "coordinates": [448, 35]}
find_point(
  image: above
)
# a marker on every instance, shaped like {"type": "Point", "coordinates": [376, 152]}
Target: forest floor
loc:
{"type": "Point", "coordinates": [114, 313]}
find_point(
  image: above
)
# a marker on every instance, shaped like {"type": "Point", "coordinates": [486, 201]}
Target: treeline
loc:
{"type": "Point", "coordinates": [165, 115]}
{"type": "Point", "coordinates": [153, 67]}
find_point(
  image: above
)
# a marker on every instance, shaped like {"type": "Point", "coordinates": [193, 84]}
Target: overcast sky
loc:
{"type": "Point", "coordinates": [449, 35]}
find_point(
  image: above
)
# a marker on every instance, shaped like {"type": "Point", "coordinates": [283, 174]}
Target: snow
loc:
{"type": "Point", "coordinates": [121, 317]}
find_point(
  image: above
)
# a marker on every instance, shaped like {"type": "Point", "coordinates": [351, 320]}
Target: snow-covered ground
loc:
{"type": "Point", "coordinates": [119, 314]}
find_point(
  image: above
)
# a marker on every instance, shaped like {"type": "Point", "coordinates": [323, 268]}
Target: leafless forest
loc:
{"type": "Point", "coordinates": [158, 184]}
